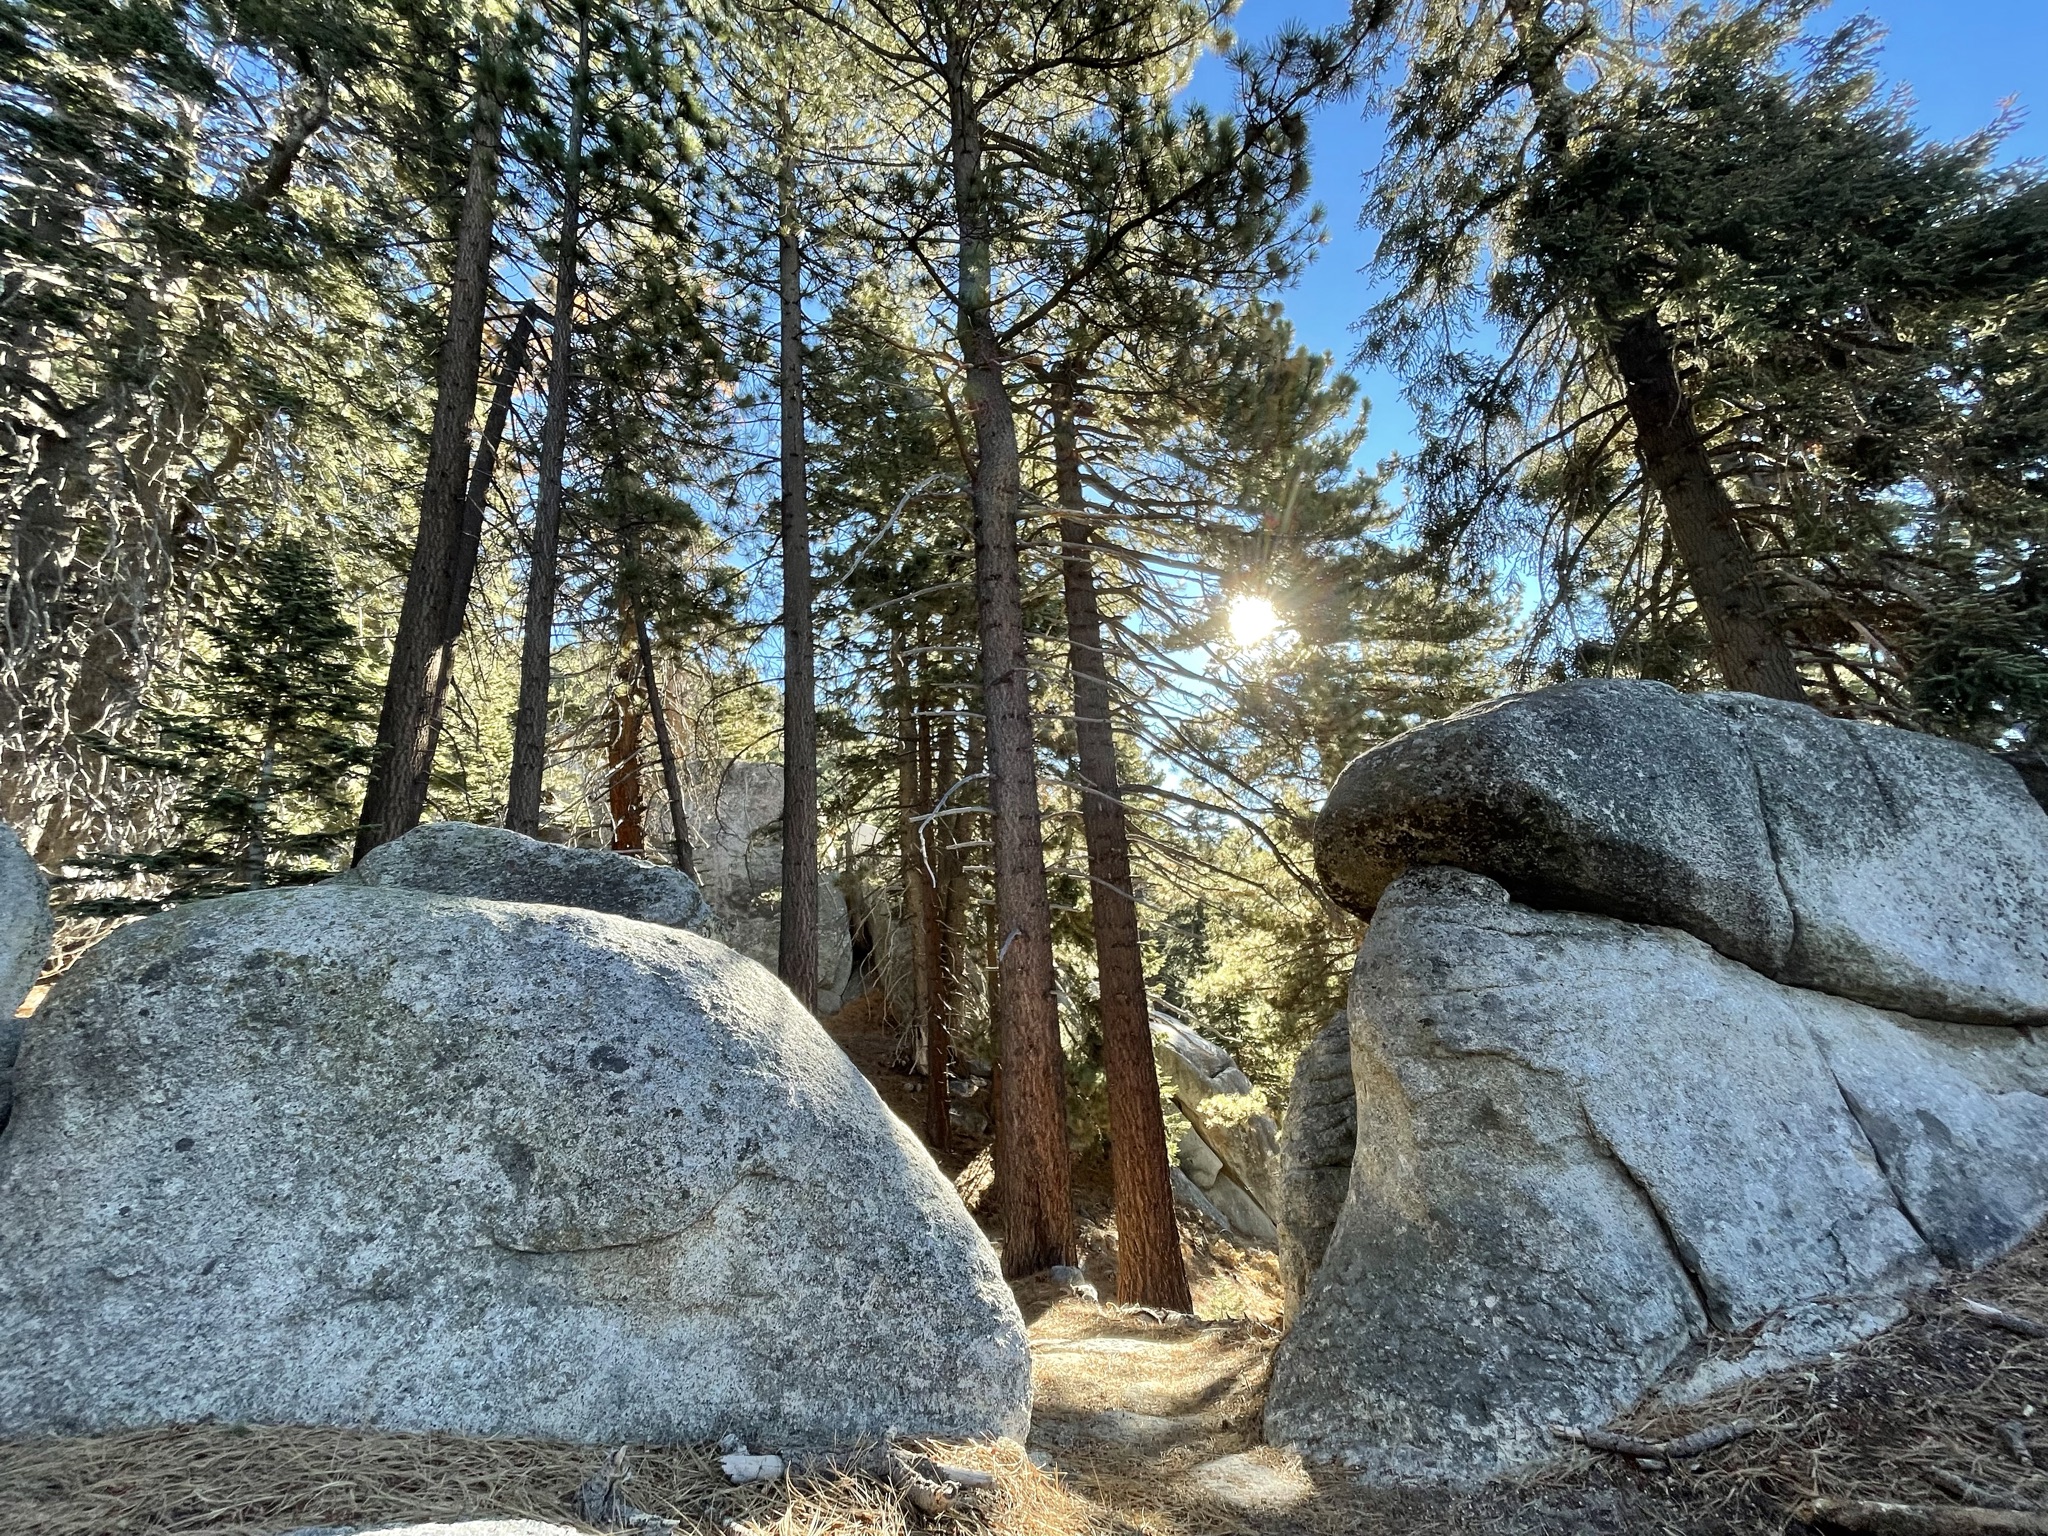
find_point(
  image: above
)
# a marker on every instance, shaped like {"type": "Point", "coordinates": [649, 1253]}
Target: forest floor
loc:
{"type": "Point", "coordinates": [1147, 1424]}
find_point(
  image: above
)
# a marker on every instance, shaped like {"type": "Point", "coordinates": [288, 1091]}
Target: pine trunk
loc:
{"type": "Point", "coordinates": [665, 748]}
{"type": "Point", "coordinates": [397, 791]}
{"type": "Point", "coordinates": [917, 884]}
{"type": "Point", "coordinates": [1149, 1269]}
{"type": "Point", "coordinates": [1749, 642]}
{"type": "Point", "coordinates": [797, 951]}
{"type": "Point", "coordinates": [1033, 1173]}
{"type": "Point", "coordinates": [530, 723]}
{"type": "Point", "coordinates": [944, 861]}
{"type": "Point", "coordinates": [622, 767]}
{"type": "Point", "coordinates": [482, 471]}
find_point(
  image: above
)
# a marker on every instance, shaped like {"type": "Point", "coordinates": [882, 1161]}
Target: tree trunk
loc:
{"type": "Point", "coordinates": [530, 723]}
{"type": "Point", "coordinates": [797, 952]}
{"type": "Point", "coordinates": [622, 763]}
{"type": "Point", "coordinates": [397, 791]}
{"type": "Point", "coordinates": [482, 471]}
{"type": "Point", "coordinates": [1749, 642]}
{"type": "Point", "coordinates": [1031, 1121]}
{"type": "Point", "coordinates": [1149, 1270]}
{"type": "Point", "coordinates": [944, 861]}
{"type": "Point", "coordinates": [665, 747]}
{"type": "Point", "coordinates": [917, 883]}
{"type": "Point", "coordinates": [1742, 624]}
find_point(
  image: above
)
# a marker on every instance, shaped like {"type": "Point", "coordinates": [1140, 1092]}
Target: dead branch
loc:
{"type": "Point", "coordinates": [2011, 1322]}
{"type": "Point", "coordinates": [1874, 1517]}
{"type": "Point", "coordinates": [1959, 1487]}
{"type": "Point", "coordinates": [1698, 1443]}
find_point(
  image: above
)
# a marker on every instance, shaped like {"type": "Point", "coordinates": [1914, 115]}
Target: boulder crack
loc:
{"type": "Point", "coordinates": [1687, 1267]}
{"type": "Point", "coordinates": [652, 1240]}
{"type": "Point", "coordinates": [1891, 1181]}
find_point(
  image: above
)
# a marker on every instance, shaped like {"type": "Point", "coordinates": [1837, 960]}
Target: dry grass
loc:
{"type": "Point", "coordinates": [1878, 1421]}
{"type": "Point", "coordinates": [232, 1480]}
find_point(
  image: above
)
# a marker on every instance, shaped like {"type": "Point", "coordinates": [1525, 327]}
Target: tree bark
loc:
{"type": "Point", "coordinates": [1149, 1268]}
{"type": "Point", "coordinates": [1742, 623]}
{"type": "Point", "coordinates": [918, 892]}
{"type": "Point", "coordinates": [665, 747]}
{"type": "Point", "coordinates": [482, 471]}
{"type": "Point", "coordinates": [1749, 642]}
{"type": "Point", "coordinates": [797, 951]}
{"type": "Point", "coordinates": [397, 791]}
{"type": "Point", "coordinates": [948, 896]}
{"type": "Point", "coordinates": [530, 723]}
{"type": "Point", "coordinates": [623, 793]}
{"type": "Point", "coordinates": [1031, 1123]}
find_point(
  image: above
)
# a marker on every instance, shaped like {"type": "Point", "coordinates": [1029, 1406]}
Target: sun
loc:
{"type": "Point", "coordinates": [1252, 619]}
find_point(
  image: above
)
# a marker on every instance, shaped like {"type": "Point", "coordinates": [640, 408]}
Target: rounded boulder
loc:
{"type": "Point", "coordinates": [365, 1156]}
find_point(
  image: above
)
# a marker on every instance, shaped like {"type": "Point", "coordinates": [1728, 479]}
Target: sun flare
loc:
{"type": "Point", "coordinates": [1252, 619]}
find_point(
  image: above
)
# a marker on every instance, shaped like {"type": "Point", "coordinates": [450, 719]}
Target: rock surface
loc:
{"type": "Point", "coordinates": [1317, 1139]}
{"type": "Point", "coordinates": [358, 1155]}
{"type": "Point", "coordinates": [460, 858]}
{"type": "Point", "coordinates": [736, 827]}
{"type": "Point", "coordinates": [25, 930]}
{"type": "Point", "coordinates": [1893, 868]}
{"type": "Point", "coordinates": [1582, 1142]}
{"type": "Point", "coordinates": [1233, 1152]}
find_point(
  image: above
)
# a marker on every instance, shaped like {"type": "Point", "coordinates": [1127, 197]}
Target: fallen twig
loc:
{"type": "Point", "coordinates": [1961, 1487]}
{"type": "Point", "coordinates": [1698, 1443]}
{"type": "Point", "coordinates": [928, 1486]}
{"type": "Point", "coordinates": [2011, 1322]}
{"type": "Point", "coordinates": [2013, 1435]}
{"type": "Point", "coordinates": [1873, 1517]}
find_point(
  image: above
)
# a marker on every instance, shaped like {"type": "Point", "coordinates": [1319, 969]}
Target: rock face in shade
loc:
{"type": "Point", "coordinates": [1317, 1139]}
{"type": "Point", "coordinates": [1896, 869]}
{"type": "Point", "coordinates": [359, 1155]}
{"type": "Point", "coordinates": [1582, 1144]}
{"type": "Point", "coordinates": [25, 930]}
{"type": "Point", "coordinates": [460, 858]}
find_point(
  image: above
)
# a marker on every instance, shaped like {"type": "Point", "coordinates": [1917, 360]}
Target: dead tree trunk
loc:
{"type": "Point", "coordinates": [536, 657]}
{"type": "Point", "coordinates": [1149, 1269]}
{"type": "Point", "coordinates": [397, 791]}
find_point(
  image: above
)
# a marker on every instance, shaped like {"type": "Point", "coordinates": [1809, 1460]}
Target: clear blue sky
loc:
{"type": "Point", "coordinates": [1961, 59]}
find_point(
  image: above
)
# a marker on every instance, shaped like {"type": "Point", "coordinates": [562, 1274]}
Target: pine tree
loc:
{"type": "Point", "coordinates": [1767, 376]}
{"type": "Point", "coordinates": [271, 737]}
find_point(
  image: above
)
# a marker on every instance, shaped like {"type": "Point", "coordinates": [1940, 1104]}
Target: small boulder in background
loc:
{"type": "Point", "coordinates": [1231, 1154]}
{"type": "Point", "coordinates": [460, 858]}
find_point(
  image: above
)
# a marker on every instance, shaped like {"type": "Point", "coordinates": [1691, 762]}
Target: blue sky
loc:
{"type": "Point", "coordinates": [1960, 58]}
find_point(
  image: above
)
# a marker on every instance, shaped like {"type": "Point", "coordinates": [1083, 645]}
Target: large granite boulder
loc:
{"type": "Point", "coordinates": [25, 930]}
{"type": "Point", "coordinates": [1317, 1139]}
{"type": "Point", "coordinates": [355, 1154]}
{"type": "Point", "coordinates": [1584, 1147]}
{"type": "Point", "coordinates": [460, 858]}
{"type": "Point", "coordinates": [1894, 868]}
